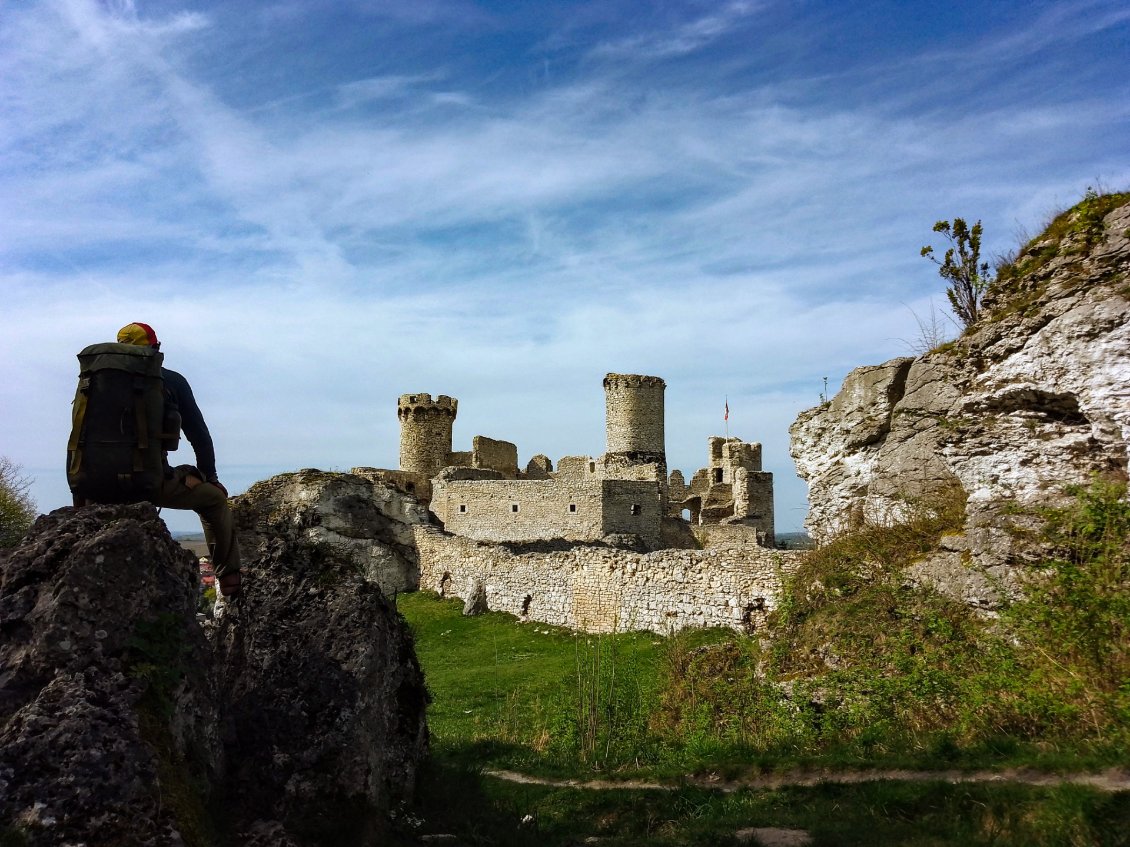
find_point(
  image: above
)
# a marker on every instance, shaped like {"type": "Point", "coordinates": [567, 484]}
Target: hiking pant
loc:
{"type": "Point", "coordinates": [211, 504]}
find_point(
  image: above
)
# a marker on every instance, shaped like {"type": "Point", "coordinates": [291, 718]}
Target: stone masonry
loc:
{"type": "Point", "coordinates": [482, 493]}
{"type": "Point", "coordinates": [604, 589]}
{"type": "Point", "coordinates": [586, 527]}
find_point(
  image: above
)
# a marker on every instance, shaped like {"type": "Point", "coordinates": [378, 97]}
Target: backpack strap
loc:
{"type": "Point", "coordinates": [78, 416]}
{"type": "Point", "coordinates": [141, 424]}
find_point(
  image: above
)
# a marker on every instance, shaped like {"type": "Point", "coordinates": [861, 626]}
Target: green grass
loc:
{"type": "Point", "coordinates": [1018, 285]}
{"type": "Point", "coordinates": [862, 670]}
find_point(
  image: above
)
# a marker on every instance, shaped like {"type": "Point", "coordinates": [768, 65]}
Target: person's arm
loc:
{"type": "Point", "coordinates": [192, 424]}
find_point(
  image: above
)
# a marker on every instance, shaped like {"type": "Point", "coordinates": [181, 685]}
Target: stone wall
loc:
{"type": "Point", "coordinates": [602, 589]}
{"type": "Point", "coordinates": [529, 510]}
{"type": "Point", "coordinates": [501, 456]}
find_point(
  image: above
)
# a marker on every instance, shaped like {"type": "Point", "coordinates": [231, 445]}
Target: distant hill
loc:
{"type": "Point", "coordinates": [192, 541]}
{"type": "Point", "coordinates": [793, 541]}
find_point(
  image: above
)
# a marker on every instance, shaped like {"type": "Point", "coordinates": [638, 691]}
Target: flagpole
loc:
{"type": "Point", "coordinates": [726, 416]}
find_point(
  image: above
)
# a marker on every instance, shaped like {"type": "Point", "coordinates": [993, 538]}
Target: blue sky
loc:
{"type": "Point", "coordinates": [322, 205]}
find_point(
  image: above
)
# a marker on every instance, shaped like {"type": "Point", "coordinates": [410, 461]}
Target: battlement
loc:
{"type": "Point", "coordinates": [425, 432]}
{"type": "Point", "coordinates": [633, 381]}
{"type": "Point", "coordinates": [422, 404]}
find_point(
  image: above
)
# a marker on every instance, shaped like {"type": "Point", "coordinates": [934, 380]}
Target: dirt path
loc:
{"type": "Point", "coordinates": [1112, 779]}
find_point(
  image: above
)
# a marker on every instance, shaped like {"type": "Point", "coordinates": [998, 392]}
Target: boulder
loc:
{"type": "Point", "coordinates": [110, 721]}
{"type": "Point", "coordinates": [316, 668]}
{"type": "Point", "coordinates": [298, 719]}
{"type": "Point", "coordinates": [363, 517]}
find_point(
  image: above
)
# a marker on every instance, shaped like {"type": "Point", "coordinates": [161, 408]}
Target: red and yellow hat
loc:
{"type": "Point", "coordinates": [138, 333]}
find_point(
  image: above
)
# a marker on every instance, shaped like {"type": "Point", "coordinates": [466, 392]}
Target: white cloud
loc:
{"type": "Point", "coordinates": [416, 230]}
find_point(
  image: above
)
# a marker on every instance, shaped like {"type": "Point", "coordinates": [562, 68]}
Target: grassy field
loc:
{"type": "Point", "coordinates": [512, 695]}
{"type": "Point", "coordinates": [861, 672]}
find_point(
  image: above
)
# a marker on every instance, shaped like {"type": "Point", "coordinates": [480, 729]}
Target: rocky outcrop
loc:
{"type": "Point", "coordinates": [1031, 399]}
{"type": "Point", "coordinates": [109, 716]}
{"type": "Point", "coordinates": [317, 670]}
{"type": "Point", "coordinates": [364, 518]}
{"type": "Point", "coordinates": [298, 720]}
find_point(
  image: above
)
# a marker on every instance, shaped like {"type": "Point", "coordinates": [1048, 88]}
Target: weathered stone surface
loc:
{"type": "Point", "coordinates": [96, 605]}
{"type": "Point", "coordinates": [317, 670]}
{"type": "Point", "coordinates": [605, 588]}
{"type": "Point", "coordinates": [475, 602]}
{"type": "Point", "coordinates": [121, 724]}
{"type": "Point", "coordinates": [1032, 399]}
{"type": "Point", "coordinates": [367, 519]}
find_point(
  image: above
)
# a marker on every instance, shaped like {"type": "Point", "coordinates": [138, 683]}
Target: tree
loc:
{"type": "Point", "coordinates": [17, 509]}
{"type": "Point", "coordinates": [967, 274]}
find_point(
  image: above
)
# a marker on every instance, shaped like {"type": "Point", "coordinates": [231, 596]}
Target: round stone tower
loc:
{"type": "Point", "coordinates": [425, 432]}
{"type": "Point", "coordinates": [634, 417]}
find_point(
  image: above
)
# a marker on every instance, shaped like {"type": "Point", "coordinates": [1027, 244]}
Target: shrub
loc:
{"type": "Point", "coordinates": [17, 510]}
{"type": "Point", "coordinates": [968, 276]}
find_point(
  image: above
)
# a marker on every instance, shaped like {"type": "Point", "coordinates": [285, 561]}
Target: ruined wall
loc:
{"type": "Point", "coordinates": [600, 589]}
{"type": "Point", "coordinates": [519, 510]}
{"type": "Point", "coordinates": [501, 456]}
{"type": "Point", "coordinates": [539, 467]}
{"type": "Point", "coordinates": [528, 510]}
{"type": "Point", "coordinates": [579, 467]}
{"type": "Point", "coordinates": [676, 488]}
{"type": "Point", "coordinates": [418, 485]}
{"type": "Point", "coordinates": [753, 502]}
{"type": "Point", "coordinates": [425, 431]}
{"type": "Point", "coordinates": [632, 507]}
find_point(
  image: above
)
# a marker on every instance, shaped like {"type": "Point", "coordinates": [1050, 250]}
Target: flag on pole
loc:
{"type": "Point", "coordinates": [726, 416]}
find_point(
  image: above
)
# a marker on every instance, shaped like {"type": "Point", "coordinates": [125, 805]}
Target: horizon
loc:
{"type": "Point", "coordinates": [322, 206]}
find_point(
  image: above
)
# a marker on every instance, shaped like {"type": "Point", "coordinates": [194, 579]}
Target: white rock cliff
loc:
{"type": "Point", "coordinates": [1031, 399]}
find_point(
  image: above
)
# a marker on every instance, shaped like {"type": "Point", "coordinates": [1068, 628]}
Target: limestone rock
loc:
{"type": "Point", "coordinates": [476, 602]}
{"type": "Point", "coordinates": [105, 701]}
{"type": "Point", "coordinates": [1033, 398]}
{"type": "Point", "coordinates": [367, 519]}
{"type": "Point", "coordinates": [121, 724]}
{"type": "Point", "coordinates": [317, 669]}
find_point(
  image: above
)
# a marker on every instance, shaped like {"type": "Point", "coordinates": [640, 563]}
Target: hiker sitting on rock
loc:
{"type": "Point", "coordinates": [128, 414]}
{"type": "Point", "coordinates": [197, 488]}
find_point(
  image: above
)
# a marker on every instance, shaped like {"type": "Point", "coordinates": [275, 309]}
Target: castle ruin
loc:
{"type": "Point", "coordinates": [626, 493]}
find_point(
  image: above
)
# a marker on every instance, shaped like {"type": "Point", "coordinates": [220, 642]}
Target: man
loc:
{"type": "Point", "coordinates": [197, 488]}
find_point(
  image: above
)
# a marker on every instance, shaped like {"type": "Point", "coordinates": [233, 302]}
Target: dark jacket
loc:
{"type": "Point", "coordinates": [178, 394]}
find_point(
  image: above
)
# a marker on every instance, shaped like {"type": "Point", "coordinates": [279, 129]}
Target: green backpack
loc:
{"type": "Point", "coordinates": [116, 452]}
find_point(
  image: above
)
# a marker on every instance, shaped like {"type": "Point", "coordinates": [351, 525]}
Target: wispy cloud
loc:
{"type": "Point", "coordinates": [685, 37]}
{"type": "Point", "coordinates": [456, 223]}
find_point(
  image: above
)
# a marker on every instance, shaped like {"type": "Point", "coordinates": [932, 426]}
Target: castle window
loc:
{"type": "Point", "coordinates": [513, 507]}
{"type": "Point", "coordinates": [572, 507]}
{"type": "Point", "coordinates": [463, 507]}
{"type": "Point", "coordinates": [635, 508]}
{"type": "Point", "coordinates": [717, 474]}
{"type": "Point", "coordinates": [592, 467]}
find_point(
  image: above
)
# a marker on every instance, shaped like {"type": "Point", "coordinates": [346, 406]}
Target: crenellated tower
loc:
{"type": "Point", "coordinates": [425, 432]}
{"type": "Point", "coordinates": [634, 416]}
